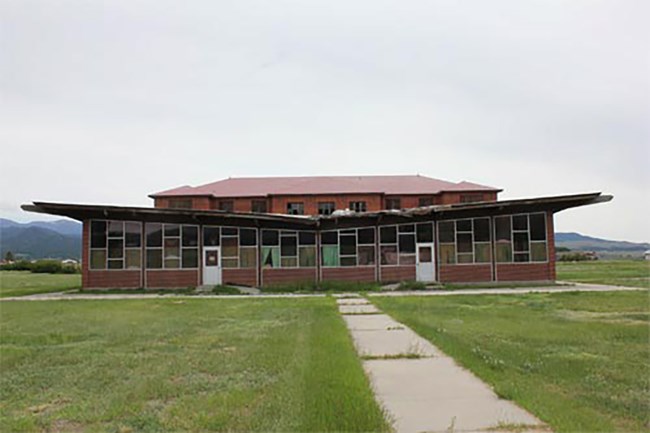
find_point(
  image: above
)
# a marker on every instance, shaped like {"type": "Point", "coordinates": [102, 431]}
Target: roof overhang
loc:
{"type": "Point", "coordinates": [249, 219]}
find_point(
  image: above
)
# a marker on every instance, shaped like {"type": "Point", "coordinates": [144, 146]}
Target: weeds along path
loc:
{"type": "Point", "coordinates": [420, 387]}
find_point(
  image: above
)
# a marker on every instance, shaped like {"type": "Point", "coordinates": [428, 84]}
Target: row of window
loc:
{"type": "Point", "coordinates": [118, 244]}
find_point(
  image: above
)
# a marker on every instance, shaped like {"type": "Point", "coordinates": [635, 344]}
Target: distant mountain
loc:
{"type": "Point", "coordinates": [579, 242]}
{"type": "Point", "coordinates": [41, 239]}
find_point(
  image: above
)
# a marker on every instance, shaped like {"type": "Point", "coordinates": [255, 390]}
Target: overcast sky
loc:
{"type": "Point", "coordinates": [108, 101]}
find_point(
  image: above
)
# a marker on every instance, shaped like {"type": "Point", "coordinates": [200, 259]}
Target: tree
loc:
{"type": "Point", "coordinates": [9, 257]}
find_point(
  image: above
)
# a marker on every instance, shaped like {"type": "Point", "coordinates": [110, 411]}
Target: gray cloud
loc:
{"type": "Point", "coordinates": [109, 101]}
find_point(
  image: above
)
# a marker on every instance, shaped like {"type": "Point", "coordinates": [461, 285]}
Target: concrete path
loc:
{"type": "Point", "coordinates": [421, 388]}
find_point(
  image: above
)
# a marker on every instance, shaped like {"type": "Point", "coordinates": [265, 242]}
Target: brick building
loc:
{"type": "Point", "coordinates": [273, 231]}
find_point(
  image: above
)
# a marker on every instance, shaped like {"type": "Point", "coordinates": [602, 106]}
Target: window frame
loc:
{"type": "Point", "coordinates": [295, 208]}
{"type": "Point", "coordinates": [105, 248]}
{"type": "Point", "coordinates": [474, 243]}
{"type": "Point", "coordinates": [324, 207]}
{"type": "Point", "coordinates": [530, 242]}
{"type": "Point", "coordinates": [349, 232]}
{"type": "Point", "coordinates": [181, 248]}
{"type": "Point", "coordinates": [358, 206]}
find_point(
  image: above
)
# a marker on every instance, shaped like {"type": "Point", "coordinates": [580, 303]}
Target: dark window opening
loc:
{"type": "Point", "coordinates": [258, 206]}
{"type": "Point", "coordinates": [358, 206]}
{"type": "Point", "coordinates": [471, 198]}
{"type": "Point", "coordinates": [425, 201]}
{"type": "Point", "coordinates": [326, 208]}
{"type": "Point", "coordinates": [296, 208]}
{"type": "Point", "coordinates": [226, 205]}
{"type": "Point", "coordinates": [180, 203]}
{"type": "Point", "coordinates": [393, 203]}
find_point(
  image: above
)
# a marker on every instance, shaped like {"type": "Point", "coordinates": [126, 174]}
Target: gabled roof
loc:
{"type": "Point", "coordinates": [318, 185]}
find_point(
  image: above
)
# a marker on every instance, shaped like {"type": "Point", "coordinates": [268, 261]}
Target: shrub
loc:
{"type": "Point", "coordinates": [20, 265]}
{"type": "Point", "coordinates": [411, 285]}
{"type": "Point", "coordinates": [52, 267]}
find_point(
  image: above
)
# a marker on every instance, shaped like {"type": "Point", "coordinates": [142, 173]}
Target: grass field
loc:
{"type": "Point", "coordinates": [632, 273]}
{"type": "Point", "coordinates": [181, 365]}
{"type": "Point", "coordinates": [21, 283]}
{"type": "Point", "coordinates": [579, 361]}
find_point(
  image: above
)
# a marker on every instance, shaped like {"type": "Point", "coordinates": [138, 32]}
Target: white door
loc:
{"type": "Point", "coordinates": [424, 263]}
{"type": "Point", "coordinates": [211, 266]}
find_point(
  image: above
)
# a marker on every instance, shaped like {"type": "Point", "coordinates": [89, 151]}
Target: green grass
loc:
{"type": "Point", "coordinates": [579, 361]}
{"type": "Point", "coordinates": [323, 287]}
{"type": "Point", "coordinates": [632, 273]}
{"type": "Point", "coordinates": [188, 365]}
{"type": "Point", "coordinates": [21, 283]}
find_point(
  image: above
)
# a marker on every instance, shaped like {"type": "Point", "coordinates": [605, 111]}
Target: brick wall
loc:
{"type": "Point", "coordinates": [272, 277]}
{"type": "Point", "coordinates": [465, 273]}
{"type": "Point", "coordinates": [161, 278]}
{"type": "Point", "coordinates": [244, 277]}
{"type": "Point", "coordinates": [279, 203]}
{"type": "Point", "coordinates": [393, 274]}
{"type": "Point", "coordinates": [349, 274]}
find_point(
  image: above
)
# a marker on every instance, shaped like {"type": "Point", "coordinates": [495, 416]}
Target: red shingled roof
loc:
{"type": "Point", "coordinates": [262, 186]}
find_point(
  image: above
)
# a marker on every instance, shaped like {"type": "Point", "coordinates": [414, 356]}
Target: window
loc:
{"type": "Point", "coordinates": [471, 198]}
{"type": "Point", "coordinates": [258, 206]}
{"type": "Point", "coordinates": [180, 203]}
{"type": "Point", "coordinates": [172, 246]}
{"type": "Point", "coordinates": [358, 206]}
{"type": "Point", "coordinates": [288, 249]}
{"type": "Point", "coordinates": [425, 201]}
{"type": "Point", "coordinates": [521, 238]}
{"type": "Point", "coordinates": [226, 205]}
{"type": "Point", "coordinates": [397, 245]}
{"type": "Point", "coordinates": [297, 208]}
{"type": "Point", "coordinates": [348, 248]}
{"type": "Point", "coordinates": [115, 245]}
{"type": "Point", "coordinates": [393, 203]}
{"type": "Point", "coordinates": [465, 241]}
{"type": "Point", "coordinates": [326, 207]}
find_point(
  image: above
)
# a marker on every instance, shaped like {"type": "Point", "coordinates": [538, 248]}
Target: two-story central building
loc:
{"type": "Point", "coordinates": [274, 231]}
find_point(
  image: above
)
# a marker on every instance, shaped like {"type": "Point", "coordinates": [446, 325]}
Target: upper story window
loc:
{"type": "Point", "coordinates": [180, 203]}
{"type": "Point", "coordinates": [296, 208]}
{"type": "Point", "coordinates": [226, 205]}
{"type": "Point", "coordinates": [393, 203]}
{"type": "Point", "coordinates": [358, 206]}
{"type": "Point", "coordinates": [258, 206]}
{"type": "Point", "coordinates": [326, 207]}
{"type": "Point", "coordinates": [425, 201]}
{"type": "Point", "coordinates": [471, 198]}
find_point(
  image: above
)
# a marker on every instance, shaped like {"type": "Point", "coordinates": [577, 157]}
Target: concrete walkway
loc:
{"type": "Point", "coordinates": [421, 388]}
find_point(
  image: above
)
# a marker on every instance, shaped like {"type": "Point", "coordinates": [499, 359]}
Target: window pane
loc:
{"type": "Point", "coordinates": [190, 236]}
{"type": "Point", "coordinates": [307, 257]}
{"type": "Point", "coordinates": [538, 251]}
{"type": "Point", "coordinates": [388, 235]}
{"type": "Point", "coordinates": [502, 228]}
{"type": "Point", "coordinates": [115, 229]}
{"type": "Point", "coordinates": [425, 201]}
{"type": "Point", "coordinates": [464, 225]}
{"type": "Point", "coordinates": [447, 254]}
{"type": "Point", "coordinates": [172, 250]}
{"type": "Point", "coordinates": [424, 254]}
{"type": "Point", "coordinates": [247, 237]}
{"type": "Point", "coordinates": [482, 230]}
{"type": "Point", "coordinates": [248, 257]}
{"type": "Point", "coordinates": [270, 237]}
{"type": "Point", "coordinates": [366, 255]}
{"type": "Point", "coordinates": [289, 262]}
{"type": "Point", "coordinates": [425, 232]}
{"type": "Point", "coordinates": [406, 259]}
{"type": "Point", "coordinates": [133, 259]}
{"type": "Point", "coordinates": [210, 236]}
{"type": "Point", "coordinates": [154, 259]}
{"type": "Point", "coordinates": [288, 246]}
{"type": "Point", "coordinates": [154, 235]}
{"type": "Point", "coordinates": [98, 234]}
{"type": "Point", "coordinates": [258, 206]}
{"type": "Point", "coordinates": [330, 255]}
{"type": "Point", "coordinates": [190, 258]}
{"type": "Point", "coordinates": [226, 205]}
{"type": "Point", "coordinates": [504, 252]}
{"type": "Point", "coordinates": [172, 263]}
{"type": "Point", "coordinates": [326, 208]}
{"type": "Point", "coordinates": [388, 255]}
{"type": "Point", "coordinates": [348, 245]}
{"type": "Point", "coordinates": [520, 222]}
{"type": "Point", "coordinates": [407, 243]}
{"type": "Point", "coordinates": [464, 242]}
{"type": "Point", "coordinates": [329, 238]}
{"type": "Point", "coordinates": [229, 247]}
{"type": "Point", "coordinates": [132, 234]}
{"type": "Point", "coordinates": [229, 263]}
{"type": "Point", "coordinates": [393, 203]}
{"type": "Point", "coordinates": [229, 231]}
{"type": "Point", "coordinates": [116, 264]}
{"type": "Point", "coordinates": [521, 242]}
{"type": "Point", "coordinates": [115, 248]}
{"type": "Point", "coordinates": [447, 232]}
{"type": "Point", "coordinates": [270, 257]}
{"type": "Point", "coordinates": [307, 238]}
{"type": "Point", "coordinates": [295, 208]}
{"type": "Point", "coordinates": [366, 236]}
{"type": "Point", "coordinates": [465, 258]}
{"type": "Point", "coordinates": [406, 228]}
{"type": "Point", "coordinates": [172, 230]}
{"type": "Point", "coordinates": [482, 253]}
{"type": "Point", "coordinates": [348, 261]}
{"type": "Point", "coordinates": [98, 259]}
{"type": "Point", "coordinates": [521, 257]}
{"type": "Point", "coordinates": [538, 227]}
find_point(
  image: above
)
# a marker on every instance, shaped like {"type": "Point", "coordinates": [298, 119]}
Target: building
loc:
{"type": "Point", "coordinates": [273, 231]}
